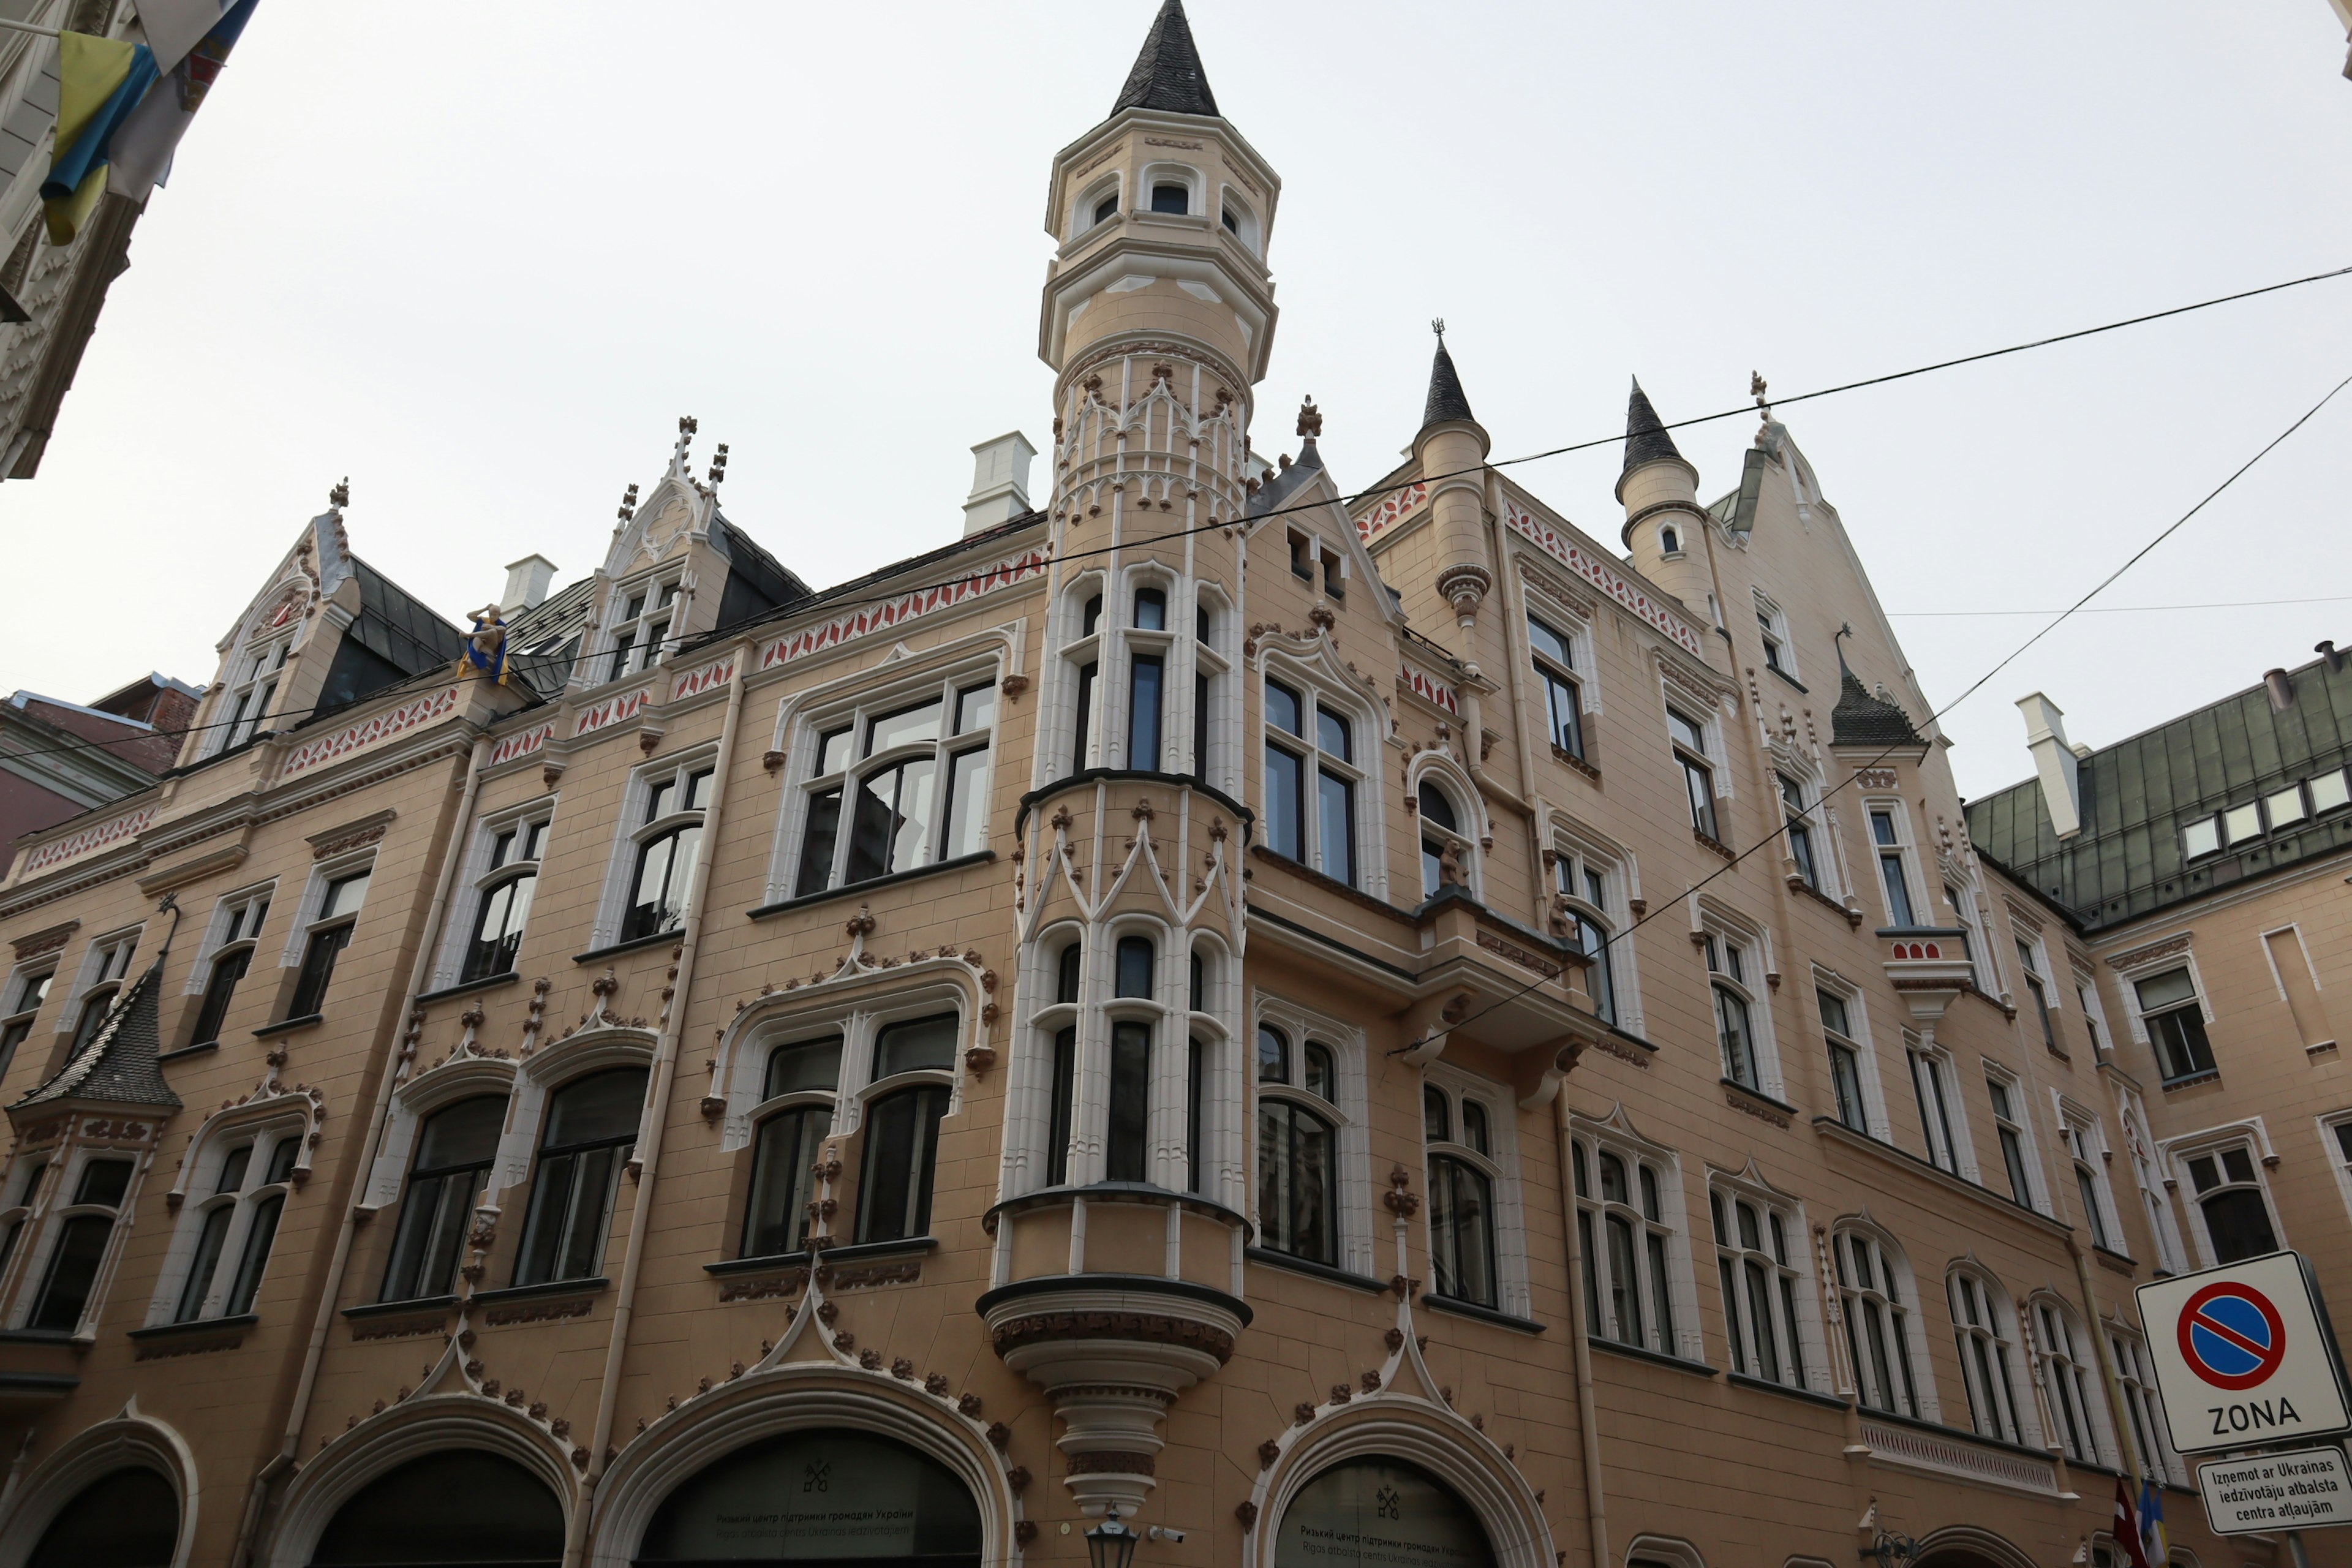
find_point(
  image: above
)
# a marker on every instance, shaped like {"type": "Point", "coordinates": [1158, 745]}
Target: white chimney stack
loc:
{"type": "Point", "coordinates": [1000, 481]}
{"type": "Point", "coordinates": [2053, 761]}
{"type": "Point", "coordinates": [527, 581]}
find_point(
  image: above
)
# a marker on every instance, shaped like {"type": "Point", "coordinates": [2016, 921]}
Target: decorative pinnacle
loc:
{"type": "Point", "coordinates": [719, 464]}
{"type": "Point", "coordinates": [629, 504]}
{"type": "Point", "coordinates": [1437, 325]}
{"type": "Point", "coordinates": [340, 496]}
{"type": "Point", "coordinates": [1755, 390]}
{"type": "Point", "coordinates": [1310, 418]}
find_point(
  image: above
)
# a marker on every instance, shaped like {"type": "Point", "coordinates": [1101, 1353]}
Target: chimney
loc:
{"type": "Point", "coordinates": [2053, 761]}
{"type": "Point", "coordinates": [1000, 481]}
{"type": "Point", "coordinates": [527, 581]}
{"type": "Point", "coordinates": [2281, 689]}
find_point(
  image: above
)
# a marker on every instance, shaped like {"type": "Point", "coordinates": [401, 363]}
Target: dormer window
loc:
{"type": "Point", "coordinates": [1168, 197]}
{"type": "Point", "coordinates": [641, 628]}
{"type": "Point", "coordinates": [249, 699]}
{"type": "Point", "coordinates": [1106, 208]}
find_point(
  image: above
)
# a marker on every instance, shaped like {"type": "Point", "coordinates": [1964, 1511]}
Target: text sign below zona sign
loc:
{"type": "Point", "coordinates": [2243, 1355]}
{"type": "Point", "coordinates": [2292, 1490]}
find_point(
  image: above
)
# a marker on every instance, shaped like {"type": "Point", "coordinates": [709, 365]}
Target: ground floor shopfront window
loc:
{"type": "Point", "coordinates": [1376, 1510]}
{"type": "Point", "coordinates": [824, 1495]}
{"type": "Point", "coordinates": [129, 1519]}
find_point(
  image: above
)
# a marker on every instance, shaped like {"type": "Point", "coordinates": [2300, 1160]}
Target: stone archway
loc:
{"type": "Point", "coordinates": [835, 1494]}
{"type": "Point", "coordinates": [1375, 1509]}
{"type": "Point", "coordinates": [126, 1519]}
{"type": "Point", "coordinates": [403, 1519]}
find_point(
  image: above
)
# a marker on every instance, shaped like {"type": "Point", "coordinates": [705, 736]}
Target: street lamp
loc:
{"type": "Point", "coordinates": [1111, 1544]}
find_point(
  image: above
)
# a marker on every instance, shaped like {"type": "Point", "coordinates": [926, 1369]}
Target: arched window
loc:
{"type": "Point", "coordinates": [1757, 1266]}
{"type": "Point", "coordinates": [404, 1518]}
{"type": "Point", "coordinates": [1297, 1172]}
{"type": "Point", "coordinates": [103, 970]}
{"type": "Point", "coordinates": [1669, 541]}
{"type": "Point", "coordinates": [1981, 1326]}
{"type": "Point", "coordinates": [1126, 1144]}
{"type": "Point", "coordinates": [1389, 1510]}
{"type": "Point", "coordinates": [129, 1519]}
{"type": "Point", "coordinates": [902, 1129]}
{"type": "Point", "coordinates": [1311, 783]}
{"type": "Point", "coordinates": [669, 846]}
{"type": "Point", "coordinates": [1063, 1086]}
{"type": "Point", "coordinates": [238, 925]}
{"type": "Point", "coordinates": [82, 1232]}
{"type": "Point", "coordinates": [592, 1126]}
{"type": "Point", "coordinates": [504, 892]}
{"type": "Point", "coordinates": [2066, 1374]}
{"type": "Point", "coordinates": [914, 776]}
{"type": "Point", "coordinates": [1877, 1314]}
{"type": "Point", "coordinates": [2229, 1196]}
{"type": "Point", "coordinates": [1107, 207]}
{"type": "Point", "coordinates": [1625, 1230]}
{"type": "Point", "coordinates": [1445, 850]}
{"type": "Point", "coordinates": [1167, 197]}
{"type": "Point", "coordinates": [445, 1180]}
{"type": "Point", "coordinates": [1459, 1141]}
{"type": "Point", "coordinates": [238, 1220]}
{"type": "Point", "coordinates": [829, 1495]}
{"type": "Point", "coordinates": [801, 1081]}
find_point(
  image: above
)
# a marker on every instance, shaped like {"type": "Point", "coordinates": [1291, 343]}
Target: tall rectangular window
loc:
{"type": "Point", "coordinates": [1928, 1083]}
{"type": "Point", "coordinates": [339, 914]}
{"type": "Point", "coordinates": [2039, 992]}
{"type": "Point", "coordinates": [1698, 776]}
{"type": "Point", "coordinates": [1143, 684]}
{"type": "Point", "coordinates": [1317, 829]}
{"type": "Point", "coordinates": [2175, 1020]}
{"type": "Point", "coordinates": [1845, 1062]}
{"type": "Point", "coordinates": [2010, 1126]}
{"type": "Point", "coordinates": [1563, 700]}
{"type": "Point", "coordinates": [1800, 832]}
{"type": "Point", "coordinates": [1886, 833]}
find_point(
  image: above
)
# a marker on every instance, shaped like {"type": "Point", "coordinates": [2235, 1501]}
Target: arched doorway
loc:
{"type": "Point", "coordinates": [820, 1495]}
{"type": "Point", "coordinates": [458, 1506]}
{"type": "Point", "coordinates": [1376, 1510]}
{"type": "Point", "coordinates": [129, 1519]}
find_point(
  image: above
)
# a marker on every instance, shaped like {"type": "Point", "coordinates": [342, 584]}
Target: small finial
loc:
{"type": "Point", "coordinates": [1437, 325]}
{"type": "Point", "coordinates": [340, 496]}
{"type": "Point", "coordinates": [719, 464]}
{"type": "Point", "coordinates": [688, 424]}
{"type": "Point", "coordinates": [629, 504]}
{"type": "Point", "coordinates": [1757, 390]}
{"type": "Point", "coordinates": [1310, 418]}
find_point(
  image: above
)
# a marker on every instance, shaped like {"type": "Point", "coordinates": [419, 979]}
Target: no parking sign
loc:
{"type": "Point", "coordinates": [2244, 1356]}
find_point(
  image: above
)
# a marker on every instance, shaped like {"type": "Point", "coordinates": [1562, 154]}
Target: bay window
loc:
{"type": "Point", "coordinates": [82, 1231]}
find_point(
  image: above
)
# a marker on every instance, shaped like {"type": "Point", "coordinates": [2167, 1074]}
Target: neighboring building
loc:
{"type": "Point", "coordinates": [60, 759]}
{"type": "Point", "coordinates": [1195, 999]}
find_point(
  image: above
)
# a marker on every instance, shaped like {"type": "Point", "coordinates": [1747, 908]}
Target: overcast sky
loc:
{"type": "Point", "coordinates": [481, 258]}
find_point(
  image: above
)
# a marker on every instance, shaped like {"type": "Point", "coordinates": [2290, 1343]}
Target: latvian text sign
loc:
{"type": "Point", "coordinates": [2292, 1490]}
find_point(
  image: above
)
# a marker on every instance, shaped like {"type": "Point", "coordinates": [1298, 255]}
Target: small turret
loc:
{"type": "Point", "coordinates": [1665, 527]}
{"type": "Point", "coordinates": [1452, 448]}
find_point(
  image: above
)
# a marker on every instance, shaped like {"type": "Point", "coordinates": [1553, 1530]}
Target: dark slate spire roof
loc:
{"type": "Point", "coordinates": [118, 1064]}
{"type": "Point", "coordinates": [1446, 399]}
{"type": "Point", "coordinates": [1647, 439]}
{"type": "Point", "coordinates": [1862, 719]}
{"type": "Point", "coordinates": [1168, 74]}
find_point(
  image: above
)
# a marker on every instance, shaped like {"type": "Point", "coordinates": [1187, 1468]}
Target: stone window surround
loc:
{"type": "Point", "coordinates": [1615, 1134]}
{"type": "Point", "coordinates": [1469, 806]}
{"type": "Point", "coordinates": [2020, 1100]}
{"type": "Point", "coordinates": [457, 924]}
{"type": "Point", "coordinates": [1513, 1291]}
{"type": "Point", "coordinates": [628, 831]}
{"type": "Point", "coordinates": [1710, 919]}
{"type": "Point", "coordinates": [87, 974]}
{"type": "Point", "coordinates": [2251, 1133]}
{"type": "Point", "coordinates": [262, 1127]}
{"type": "Point", "coordinates": [1621, 872]}
{"type": "Point", "coordinates": [1315, 683]}
{"type": "Point", "coordinates": [2004, 1330]}
{"type": "Point", "coordinates": [1811, 1334]}
{"type": "Point", "coordinates": [1892, 1255]}
{"type": "Point", "coordinates": [1955, 1107]}
{"type": "Point", "coordinates": [1360, 1228]}
{"type": "Point", "coordinates": [2073, 1113]}
{"type": "Point", "coordinates": [1857, 1017]}
{"type": "Point", "coordinates": [210, 944]}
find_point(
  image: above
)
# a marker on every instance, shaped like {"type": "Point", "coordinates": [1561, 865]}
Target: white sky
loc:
{"type": "Point", "coordinates": [481, 258]}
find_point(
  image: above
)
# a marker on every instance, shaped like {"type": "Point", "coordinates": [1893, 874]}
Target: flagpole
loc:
{"type": "Point", "coordinates": [27, 27]}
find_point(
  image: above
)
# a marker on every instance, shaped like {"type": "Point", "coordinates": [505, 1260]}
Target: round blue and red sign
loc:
{"type": "Point", "coordinates": [2232, 1336]}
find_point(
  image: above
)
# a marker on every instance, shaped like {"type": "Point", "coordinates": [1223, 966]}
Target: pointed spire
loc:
{"type": "Point", "coordinates": [1646, 441]}
{"type": "Point", "coordinates": [1168, 74]}
{"type": "Point", "coordinates": [1446, 399]}
{"type": "Point", "coordinates": [118, 1066]}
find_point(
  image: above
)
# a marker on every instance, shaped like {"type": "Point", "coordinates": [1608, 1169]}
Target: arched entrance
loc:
{"type": "Point", "coordinates": [814, 1497]}
{"type": "Point", "coordinates": [129, 1519]}
{"type": "Point", "coordinates": [1376, 1510]}
{"type": "Point", "coordinates": [458, 1505]}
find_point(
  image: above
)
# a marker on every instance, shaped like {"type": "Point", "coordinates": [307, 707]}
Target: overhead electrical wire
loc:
{"type": "Point", "coordinates": [2134, 609]}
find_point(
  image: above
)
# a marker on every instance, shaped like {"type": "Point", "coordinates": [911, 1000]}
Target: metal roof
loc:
{"type": "Point", "coordinates": [118, 1064]}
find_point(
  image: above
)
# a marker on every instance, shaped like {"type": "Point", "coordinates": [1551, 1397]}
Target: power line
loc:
{"type": "Point", "coordinates": [2136, 609]}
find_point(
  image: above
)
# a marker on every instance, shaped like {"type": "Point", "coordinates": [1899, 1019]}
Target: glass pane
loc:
{"type": "Point", "coordinates": [1322, 1080]}
{"type": "Point", "coordinates": [902, 1146]}
{"type": "Point", "coordinates": [905, 728]}
{"type": "Point", "coordinates": [817, 847]}
{"type": "Point", "coordinates": [1281, 804]}
{"type": "Point", "coordinates": [201, 1267]}
{"type": "Point", "coordinates": [260, 1232]}
{"type": "Point", "coordinates": [1150, 610]}
{"type": "Point", "coordinates": [81, 1243]}
{"type": "Point", "coordinates": [2328, 792]}
{"type": "Point", "coordinates": [1273, 1055]}
{"type": "Point", "coordinates": [975, 708]}
{"type": "Point", "coordinates": [344, 895]}
{"type": "Point", "coordinates": [659, 800]}
{"type": "Point", "coordinates": [966, 830]}
{"type": "Point", "coordinates": [103, 1182]}
{"type": "Point", "coordinates": [2236, 1161]}
{"type": "Point", "coordinates": [697, 790]}
{"type": "Point", "coordinates": [1474, 1132]}
{"type": "Point", "coordinates": [1613, 1179]}
{"type": "Point", "coordinates": [1337, 817]}
{"type": "Point", "coordinates": [1143, 712]}
{"type": "Point", "coordinates": [1134, 977]}
{"type": "Point", "coordinates": [922, 1045]}
{"type": "Point", "coordinates": [1067, 973]}
{"type": "Point", "coordinates": [466, 1133]}
{"type": "Point", "coordinates": [1435, 809]}
{"type": "Point", "coordinates": [1081, 737]}
{"type": "Point", "coordinates": [1124, 1143]}
{"type": "Point", "coordinates": [1833, 1012]}
{"type": "Point", "coordinates": [2163, 990]}
{"type": "Point", "coordinates": [1333, 734]}
{"type": "Point", "coordinates": [804, 1066]}
{"type": "Point", "coordinates": [2284, 806]}
{"type": "Point", "coordinates": [2201, 837]}
{"type": "Point", "coordinates": [910, 845]}
{"type": "Point", "coordinates": [1057, 1126]}
{"type": "Point", "coordinates": [832, 752]}
{"type": "Point", "coordinates": [1685, 731]}
{"type": "Point", "coordinates": [232, 1168]}
{"type": "Point", "coordinates": [2242, 822]}
{"type": "Point", "coordinates": [776, 1218]}
{"type": "Point", "coordinates": [1436, 1116]}
{"type": "Point", "coordinates": [602, 1106]}
{"type": "Point", "coordinates": [1548, 643]}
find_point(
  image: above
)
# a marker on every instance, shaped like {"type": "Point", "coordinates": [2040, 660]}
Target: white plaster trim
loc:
{"type": "Point", "coordinates": [129, 1440]}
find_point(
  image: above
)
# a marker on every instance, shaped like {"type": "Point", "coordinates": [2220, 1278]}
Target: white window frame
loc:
{"type": "Point", "coordinates": [1906, 851]}
{"type": "Point", "coordinates": [1612, 1136]}
{"type": "Point", "coordinates": [2019, 1121]}
{"type": "Point", "coordinates": [1368, 736]}
{"type": "Point", "coordinates": [2140, 1148]}
{"type": "Point", "coordinates": [478, 877]}
{"type": "Point", "coordinates": [1450, 781]}
{"type": "Point", "coordinates": [1172, 174]}
{"type": "Point", "coordinates": [2033, 958]}
{"type": "Point", "coordinates": [1968, 914]}
{"type": "Point", "coordinates": [1246, 227]}
{"type": "Point", "coordinates": [1350, 1116]}
{"type": "Point", "coordinates": [1716, 927]}
{"type": "Point", "coordinates": [1574, 628]}
{"type": "Point", "coordinates": [2083, 1137]}
{"type": "Point", "coordinates": [50, 1221]}
{"type": "Point", "coordinates": [2249, 1134]}
{"type": "Point", "coordinates": [649, 630]}
{"type": "Point", "coordinates": [2069, 1379]}
{"type": "Point", "coordinates": [1915, 1371]}
{"type": "Point", "coordinates": [2094, 1010]}
{"type": "Point", "coordinates": [228, 909]}
{"type": "Point", "coordinates": [105, 969]}
{"type": "Point", "coordinates": [1675, 701]}
{"type": "Point", "coordinates": [199, 1177]}
{"type": "Point", "coordinates": [2002, 1349]}
{"type": "Point", "coordinates": [1082, 220]}
{"type": "Point", "coordinates": [1950, 1148]}
{"type": "Point", "coordinates": [1513, 1293]}
{"type": "Point", "coordinates": [629, 835]}
{"type": "Point", "coordinates": [1858, 1037]}
{"type": "Point", "coordinates": [1793, 1274]}
{"type": "Point", "coordinates": [1773, 626]}
{"type": "Point", "coordinates": [1578, 856]}
{"type": "Point", "coordinates": [1219, 659]}
{"type": "Point", "coordinates": [1821, 830]}
{"type": "Point", "coordinates": [2129, 980]}
{"type": "Point", "coordinates": [2143, 1404]}
{"type": "Point", "coordinates": [264, 661]}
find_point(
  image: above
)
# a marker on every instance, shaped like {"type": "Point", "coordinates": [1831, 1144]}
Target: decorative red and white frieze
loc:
{"type": "Point", "coordinates": [1581, 562]}
{"type": "Point", "coordinates": [695, 683]}
{"type": "Point", "coordinates": [520, 745]}
{"type": "Point", "coordinates": [88, 841]}
{"type": "Point", "coordinates": [611, 710]}
{"type": "Point", "coordinates": [372, 731]}
{"type": "Point", "coordinates": [1397, 505]}
{"type": "Point", "coordinates": [1429, 688]}
{"type": "Point", "coordinates": [904, 609]}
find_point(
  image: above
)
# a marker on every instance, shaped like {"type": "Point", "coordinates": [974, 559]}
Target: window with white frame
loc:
{"type": "Point", "coordinates": [795, 1116]}
{"type": "Point", "coordinates": [1082, 651]}
{"type": "Point", "coordinates": [2172, 1018]}
{"type": "Point", "coordinates": [2229, 1201]}
{"type": "Point", "coordinates": [253, 687]}
{"type": "Point", "coordinates": [1098, 206]}
{"type": "Point", "coordinates": [23, 1186]}
{"type": "Point", "coordinates": [664, 845]}
{"type": "Point", "coordinates": [228, 955]}
{"type": "Point", "coordinates": [1803, 852]}
{"type": "Point", "coordinates": [1942, 1120]}
{"type": "Point", "coordinates": [1875, 1300]}
{"type": "Point", "coordinates": [241, 1191]}
{"type": "Point", "coordinates": [1563, 691]}
{"type": "Point", "coordinates": [1472, 1244]}
{"type": "Point", "coordinates": [1689, 737]}
{"type": "Point", "coordinates": [642, 621]}
{"type": "Point", "coordinates": [1735, 964]}
{"type": "Point", "coordinates": [1313, 780]}
{"type": "Point", "coordinates": [78, 1232]}
{"type": "Point", "coordinates": [2086, 1151]}
{"type": "Point", "coordinates": [1890, 841]}
{"type": "Point", "coordinates": [103, 966]}
{"type": "Point", "coordinates": [1772, 629]}
{"type": "Point", "coordinates": [1987, 1339]}
{"type": "Point", "coordinates": [1627, 1213]}
{"type": "Point", "coordinates": [2144, 1408]}
{"type": "Point", "coordinates": [910, 771]}
{"type": "Point", "coordinates": [2010, 1126]}
{"type": "Point", "coordinates": [1962, 899]}
{"type": "Point", "coordinates": [1448, 835]}
{"type": "Point", "coordinates": [1150, 648]}
{"type": "Point", "coordinates": [448, 1176]}
{"type": "Point", "coordinates": [1594, 891]}
{"type": "Point", "coordinates": [29, 988]}
{"type": "Point", "coordinates": [2031, 965]}
{"type": "Point", "coordinates": [913, 1079]}
{"type": "Point", "coordinates": [1297, 1145]}
{"type": "Point", "coordinates": [2140, 1145]}
{"type": "Point", "coordinates": [328, 932]}
{"type": "Point", "coordinates": [1848, 1057]}
{"type": "Point", "coordinates": [1758, 1266]}
{"type": "Point", "coordinates": [507, 852]}
{"type": "Point", "coordinates": [588, 1134]}
{"type": "Point", "coordinates": [1059, 1021]}
{"type": "Point", "coordinates": [2069, 1380]}
{"type": "Point", "coordinates": [2094, 1017]}
{"type": "Point", "coordinates": [1211, 689]}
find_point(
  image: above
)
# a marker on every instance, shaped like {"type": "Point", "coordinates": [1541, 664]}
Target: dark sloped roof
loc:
{"type": "Point", "coordinates": [1168, 74]}
{"type": "Point", "coordinates": [756, 581]}
{"type": "Point", "coordinates": [1446, 399]}
{"type": "Point", "coordinates": [1646, 438]}
{"type": "Point", "coordinates": [396, 625]}
{"type": "Point", "coordinates": [1862, 719]}
{"type": "Point", "coordinates": [1283, 483]}
{"type": "Point", "coordinates": [118, 1065]}
{"type": "Point", "coordinates": [2140, 793]}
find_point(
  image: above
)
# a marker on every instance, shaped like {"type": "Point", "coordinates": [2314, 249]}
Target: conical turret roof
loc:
{"type": "Point", "coordinates": [1446, 399]}
{"type": "Point", "coordinates": [1168, 74]}
{"type": "Point", "coordinates": [1863, 719]}
{"type": "Point", "coordinates": [118, 1064]}
{"type": "Point", "coordinates": [1647, 439]}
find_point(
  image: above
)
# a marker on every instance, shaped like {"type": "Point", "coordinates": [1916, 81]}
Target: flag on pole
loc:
{"type": "Point", "coordinates": [99, 82]}
{"type": "Point", "coordinates": [2127, 1527]}
{"type": "Point", "coordinates": [2157, 1545]}
{"type": "Point", "coordinates": [143, 148]}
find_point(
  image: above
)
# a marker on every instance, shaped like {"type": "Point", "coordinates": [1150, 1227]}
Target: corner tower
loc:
{"type": "Point", "coordinates": [1665, 527]}
{"type": "Point", "coordinates": [1158, 290]}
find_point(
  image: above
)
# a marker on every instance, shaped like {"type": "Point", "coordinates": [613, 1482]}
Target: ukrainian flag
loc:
{"type": "Point", "coordinates": [101, 81]}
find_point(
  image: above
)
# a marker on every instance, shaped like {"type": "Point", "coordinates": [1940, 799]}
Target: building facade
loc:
{"type": "Point", "coordinates": [59, 759]}
{"type": "Point", "coordinates": [1393, 1029]}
